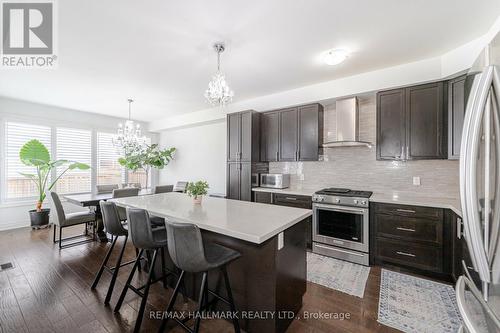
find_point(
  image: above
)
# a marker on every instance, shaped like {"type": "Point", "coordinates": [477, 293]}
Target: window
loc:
{"type": "Point", "coordinates": [16, 135]}
{"type": "Point", "coordinates": [74, 145]}
{"type": "Point", "coordinates": [139, 177]}
{"type": "Point", "coordinates": [109, 171]}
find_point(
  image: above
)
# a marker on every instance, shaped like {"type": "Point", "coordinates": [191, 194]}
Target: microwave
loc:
{"type": "Point", "coordinates": [275, 180]}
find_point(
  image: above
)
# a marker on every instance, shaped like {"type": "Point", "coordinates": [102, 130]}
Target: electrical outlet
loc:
{"type": "Point", "coordinates": [416, 181]}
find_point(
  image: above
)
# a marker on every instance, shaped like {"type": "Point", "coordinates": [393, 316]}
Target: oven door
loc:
{"type": "Point", "coordinates": [341, 226]}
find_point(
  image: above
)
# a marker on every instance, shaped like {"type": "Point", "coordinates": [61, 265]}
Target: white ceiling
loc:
{"type": "Point", "coordinates": [159, 52]}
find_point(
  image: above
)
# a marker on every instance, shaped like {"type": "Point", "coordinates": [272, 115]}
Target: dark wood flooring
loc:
{"type": "Point", "coordinates": [48, 290]}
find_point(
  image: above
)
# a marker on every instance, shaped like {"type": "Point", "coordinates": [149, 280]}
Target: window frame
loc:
{"type": "Point", "coordinates": [6, 118]}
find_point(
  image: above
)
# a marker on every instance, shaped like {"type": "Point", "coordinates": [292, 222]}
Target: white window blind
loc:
{"type": "Point", "coordinates": [74, 145]}
{"type": "Point", "coordinates": [109, 170]}
{"type": "Point", "coordinates": [16, 135]}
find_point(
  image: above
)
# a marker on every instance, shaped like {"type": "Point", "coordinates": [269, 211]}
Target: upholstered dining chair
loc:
{"type": "Point", "coordinates": [180, 187]}
{"type": "Point", "coordinates": [163, 189]}
{"type": "Point", "coordinates": [123, 193]}
{"type": "Point", "coordinates": [106, 188]}
{"type": "Point", "coordinates": [63, 220]}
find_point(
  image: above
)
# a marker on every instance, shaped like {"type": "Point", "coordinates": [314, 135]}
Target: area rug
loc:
{"type": "Point", "coordinates": [337, 274]}
{"type": "Point", "coordinates": [412, 304]}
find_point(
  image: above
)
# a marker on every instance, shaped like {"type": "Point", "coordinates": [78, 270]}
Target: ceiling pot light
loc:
{"type": "Point", "coordinates": [335, 56]}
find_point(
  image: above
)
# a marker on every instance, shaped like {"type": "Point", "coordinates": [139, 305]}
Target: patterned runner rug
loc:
{"type": "Point", "coordinates": [337, 274]}
{"type": "Point", "coordinates": [416, 305]}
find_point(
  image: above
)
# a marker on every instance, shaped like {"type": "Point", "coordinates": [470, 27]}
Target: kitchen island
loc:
{"type": "Point", "coordinates": [269, 280]}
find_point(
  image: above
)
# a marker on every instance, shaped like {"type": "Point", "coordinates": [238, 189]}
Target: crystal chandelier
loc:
{"type": "Point", "coordinates": [129, 135]}
{"type": "Point", "coordinates": [218, 92]}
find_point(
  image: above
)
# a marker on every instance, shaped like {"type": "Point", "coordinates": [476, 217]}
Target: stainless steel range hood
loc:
{"type": "Point", "coordinates": [347, 125]}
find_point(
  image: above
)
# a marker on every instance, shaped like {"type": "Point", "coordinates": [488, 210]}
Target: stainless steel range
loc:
{"type": "Point", "coordinates": [340, 224]}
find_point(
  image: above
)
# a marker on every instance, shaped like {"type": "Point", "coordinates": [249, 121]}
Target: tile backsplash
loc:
{"type": "Point", "coordinates": [357, 167]}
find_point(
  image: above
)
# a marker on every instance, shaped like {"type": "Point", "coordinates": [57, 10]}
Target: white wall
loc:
{"type": "Point", "coordinates": [201, 155]}
{"type": "Point", "coordinates": [15, 214]}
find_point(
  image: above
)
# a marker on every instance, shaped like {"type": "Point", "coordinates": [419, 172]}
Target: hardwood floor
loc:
{"type": "Point", "coordinates": [49, 291]}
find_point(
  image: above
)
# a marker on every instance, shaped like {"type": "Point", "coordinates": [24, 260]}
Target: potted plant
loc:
{"type": "Point", "coordinates": [35, 154]}
{"type": "Point", "coordinates": [197, 190]}
{"type": "Point", "coordinates": [143, 156]}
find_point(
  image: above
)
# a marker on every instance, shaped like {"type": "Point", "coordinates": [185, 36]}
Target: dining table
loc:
{"type": "Point", "coordinates": [92, 200]}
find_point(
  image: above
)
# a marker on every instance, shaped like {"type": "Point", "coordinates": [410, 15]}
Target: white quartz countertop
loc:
{"type": "Point", "coordinates": [394, 197]}
{"type": "Point", "coordinates": [248, 221]}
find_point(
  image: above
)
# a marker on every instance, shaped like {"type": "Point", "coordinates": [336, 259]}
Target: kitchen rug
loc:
{"type": "Point", "coordinates": [416, 305]}
{"type": "Point", "coordinates": [337, 274]}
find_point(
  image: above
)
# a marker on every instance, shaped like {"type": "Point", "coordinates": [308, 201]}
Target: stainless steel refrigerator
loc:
{"type": "Point", "coordinates": [478, 299]}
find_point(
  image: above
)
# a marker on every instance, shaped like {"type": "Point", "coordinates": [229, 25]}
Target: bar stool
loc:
{"type": "Point", "coordinates": [186, 248]}
{"type": "Point", "coordinates": [145, 238]}
{"type": "Point", "coordinates": [114, 227]}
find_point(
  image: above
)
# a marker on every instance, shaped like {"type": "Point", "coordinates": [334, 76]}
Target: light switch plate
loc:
{"type": "Point", "coordinates": [281, 241]}
{"type": "Point", "coordinates": [416, 181]}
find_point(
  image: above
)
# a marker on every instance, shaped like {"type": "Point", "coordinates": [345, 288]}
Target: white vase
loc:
{"type": "Point", "coordinates": [197, 199]}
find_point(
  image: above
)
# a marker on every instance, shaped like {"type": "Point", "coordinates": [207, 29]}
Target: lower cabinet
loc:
{"type": "Point", "coordinates": [413, 238]}
{"type": "Point", "coordinates": [239, 185]}
{"type": "Point", "coordinates": [289, 200]}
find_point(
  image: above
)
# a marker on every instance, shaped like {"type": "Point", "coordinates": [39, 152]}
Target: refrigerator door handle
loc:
{"type": "Point", "coordinates": [469, 322]}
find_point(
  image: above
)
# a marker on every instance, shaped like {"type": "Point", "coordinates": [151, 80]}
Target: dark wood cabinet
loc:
{"type": "Point", "coordinates": [243, 153]}
{"type": "Point", "coordinates": [289, 200]}
{"type": "Point", "coordinates": [456, 115]}
{"type": "Point", "coordinates": [263, 197]}
{"type": "Point", "coordinates": [391, 124]}
{"type": "Point", "coordinates": [243, 139]}
{"type": "Point", "coordinates": [270, 136]}
{"type": "Point", "coordinates": [289, 135]}
{"type": "Point", "coordinates": [412, 238]}
{"type": "Point", "coordinates": [310, 132]}
{"type": "Point", "coordinates": [412, 123]}
{"type": "Point", "coordinates": [292, 134]}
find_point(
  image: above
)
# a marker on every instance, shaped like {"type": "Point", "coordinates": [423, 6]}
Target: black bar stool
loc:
{"type": "Point", "coordinates": [111, 219]}
{"type": "Point", "coordinates": [186, 248]}
{"type": "Point", "coordinates": [144, 237]}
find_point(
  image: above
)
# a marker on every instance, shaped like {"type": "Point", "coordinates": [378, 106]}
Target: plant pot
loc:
{"type": "Point", "coordinates": [197, 199]}
{"type": "Point", "coordinates": [39, 219]}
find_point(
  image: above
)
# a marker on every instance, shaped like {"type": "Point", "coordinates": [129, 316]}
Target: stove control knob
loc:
{"type": "Point", "coordinates": [363, 202]}
{"type": "Point", "coordinates": [355, 201]}
{"type": "Point", "coordinates": [337, 200]}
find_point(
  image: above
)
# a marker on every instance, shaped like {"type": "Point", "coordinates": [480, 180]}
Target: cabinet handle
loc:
{"type": "Point", "coordinates": [296, 155]}
{"type": "Point", "coordinates": [459, 228]}
{"type": "Point", "coordinates": [406, 210]}
{"type": "Point", "coordinates": [290, 198]}
{"type": "Point", "coordinates": [277, 156]}
{"type": "Point", "coordinates": [407, 152]}
{"type": "Point", "coordinates": [406, 254]}
{"type": "Point", "coordinates": [405, 229]}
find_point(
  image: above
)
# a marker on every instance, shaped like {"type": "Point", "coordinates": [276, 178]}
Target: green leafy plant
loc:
{"type": "Point", "coordinates": [145, 157]}
{"type": "Point", "coordinates": [35, 154]}
{"type": "Point", "coordinates": [197, 189]}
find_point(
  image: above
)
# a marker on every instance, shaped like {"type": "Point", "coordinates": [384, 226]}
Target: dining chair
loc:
{"type": "Point", "coordinates": [180, 187]}
{"type": "Point", "coordinates": [147, 240]}
{"type": "Point", "coordinates": [163, 189]}
{"type": "Point", "coordinates": [131, 185]}
{"type": "Point", "coordinates": [191, 254]}
{"type": "Point", "coordinates": [123, 193]}
{"type": "Point", "coordinates": [106, 188]}
{"type": "Point", "coordinates": [63, 220]}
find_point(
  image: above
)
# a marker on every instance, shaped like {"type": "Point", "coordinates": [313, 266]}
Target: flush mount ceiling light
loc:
{"type": "Point", "coordinates": [218, 92]}
{"type": "Point", "coordinates": [335, 56]}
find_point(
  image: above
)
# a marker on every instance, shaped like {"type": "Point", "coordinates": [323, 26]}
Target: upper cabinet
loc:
{"type": "Point", "coordinates": [243, 136]}
{"type": "Point", "coordinates": [456, 114]}
{"type": "Point", "coordinates": [411, 123]}
{"type": "Point", "coordinates": [292, 134]}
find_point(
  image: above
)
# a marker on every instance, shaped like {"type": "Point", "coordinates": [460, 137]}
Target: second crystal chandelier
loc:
{"type": "Point", "coordinates": [218, 92]}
